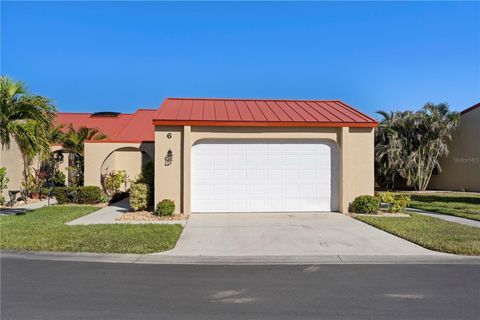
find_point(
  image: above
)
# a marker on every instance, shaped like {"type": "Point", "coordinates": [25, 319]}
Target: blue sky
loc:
{"type": "Point", "coordinates": [95, 56]}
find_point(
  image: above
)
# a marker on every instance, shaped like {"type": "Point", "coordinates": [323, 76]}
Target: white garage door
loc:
{"type": "Point", "coordinates": [263, 176]}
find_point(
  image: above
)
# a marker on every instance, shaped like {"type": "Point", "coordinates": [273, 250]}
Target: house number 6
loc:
{"type": "Point", "coordinates": [169, 135]}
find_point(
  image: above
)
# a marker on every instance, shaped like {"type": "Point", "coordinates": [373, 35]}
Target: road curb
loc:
{"type": "Point", "coordinates": [242, 260]}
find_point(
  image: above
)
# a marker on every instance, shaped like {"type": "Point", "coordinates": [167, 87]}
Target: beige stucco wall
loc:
{"type": "Point", "coordinates": [109, 156]}
{"type": "Point", "coordinates": [358, 166]}
{"type": "Point", "coordinates": [130, 160]}
{"type": "Point", "coordinates": [169, 177]}
{"type": "Point", "coordinates": [173, 181]}
{"type": "Point", "coordinates": [461, 168]}
{"type": "Point", "coordinates": [11, 159]}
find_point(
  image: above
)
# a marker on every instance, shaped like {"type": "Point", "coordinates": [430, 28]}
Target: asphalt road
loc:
{"type": "Point", "coordinates": [36, 289]}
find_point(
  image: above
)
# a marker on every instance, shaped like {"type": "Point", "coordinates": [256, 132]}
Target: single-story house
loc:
{"type": "Point", "coordinates": [461, 168]}
{"type": "Point", "coordinates": [239, 155]}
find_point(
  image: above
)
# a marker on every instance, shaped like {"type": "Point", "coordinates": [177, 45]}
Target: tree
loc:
{"type": "Point", "coordinates": [408, 145]}
{"type": "Point", "coordinates": [73, 144]}
{"type": "Point", "coordinates": [40, 148]}
{"type": "Point", "coordinates": [436, 125]}
{"type": "Point", "coordinates": [26, 118]}
{"type": "Point", "coordinates": [17, 107]}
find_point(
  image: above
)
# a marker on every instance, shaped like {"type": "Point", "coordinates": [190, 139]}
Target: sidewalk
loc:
{"type": "Point", "coordinates": [109, 215]}
{"type": "Point", "coordinates": [446, 217]}
{"type": "Point", "coordinates": [27, 207]}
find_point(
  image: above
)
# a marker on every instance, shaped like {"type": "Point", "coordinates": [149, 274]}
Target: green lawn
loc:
{"type": "Point", "coordinates": [460, 204]}
{"type": "Point", "coordinates": [431, 233]}
{"type": "Point", "coordinates": [44, 230]}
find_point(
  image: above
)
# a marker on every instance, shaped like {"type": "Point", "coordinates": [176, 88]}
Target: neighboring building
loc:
{"type": "Point", "coordinates": [461, 168]}
{"type": "Point", "coordinates": [239, 155]}
{"type": "Point", "coordinates": [129, 144]}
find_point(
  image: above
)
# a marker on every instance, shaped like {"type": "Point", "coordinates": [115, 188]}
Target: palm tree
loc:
{"type": "Point", "coordinates": [434, 126]}
{"type": "Point", "coordinates": [56, 133]}
{"type": "Point", "coordinates": [17, 107]}
{"type": "Point", "coordinates": [25, 118]}
{"type": "Point", "coordinates": [408, 145]}
{"type": "Point", "coordinates": [73, 144]}
{"type": "Point", "coordinates": [41, 149]}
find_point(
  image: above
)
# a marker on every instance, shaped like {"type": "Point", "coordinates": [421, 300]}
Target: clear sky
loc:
{"type": "Point", "coordinates": [119, 56]}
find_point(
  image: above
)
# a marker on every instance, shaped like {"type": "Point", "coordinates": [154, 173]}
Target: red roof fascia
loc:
{"type": "Point", "coordinates": [261, 124]}
{"type": "Point", "coordinates": [116, 141]}
{"type": "Point", "coordinates": [471, 108]}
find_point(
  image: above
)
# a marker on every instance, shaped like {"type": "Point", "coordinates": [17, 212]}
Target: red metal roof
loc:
{"type": "Point", "coordinates": [260, 112]}
{"type": "Point", "coordinates": [136, 127]}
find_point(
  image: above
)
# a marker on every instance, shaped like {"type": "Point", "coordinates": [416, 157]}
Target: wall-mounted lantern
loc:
{"type": "Point", "coordinates": [169, 157]}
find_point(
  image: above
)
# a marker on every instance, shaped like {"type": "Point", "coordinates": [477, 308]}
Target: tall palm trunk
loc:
{"type": "Point", "coordinates": [71, 164]}
{"type": "Point", "coordinates": [26, 165]}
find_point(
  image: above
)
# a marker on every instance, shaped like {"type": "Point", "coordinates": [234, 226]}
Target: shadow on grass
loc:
{"type": "Point", "coordinates": [438, 198]}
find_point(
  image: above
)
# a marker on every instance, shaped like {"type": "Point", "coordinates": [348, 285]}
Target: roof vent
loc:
{"type": "Point", "coordinates": [105, 114]}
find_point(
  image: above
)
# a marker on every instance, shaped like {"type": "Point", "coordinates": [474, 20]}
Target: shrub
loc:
{"type": "Point", "coordinates": [139, 196]}
{"type": "Point", "coordinates": [65, 194]}
{"type": "Point", "coordinates": [398, 203]}
{"type": "Point", "coordinates": [165, 207]}
{"type": "Point", "coordinates": [401, 203]}
{"type": "Point", "coordinates": [81, 195]}
{"type": "Point", "coordinates": [365, 204]}
{"type": "Point", "coordinates": [58, 179]}
{"type": "Point", "coordinates": [112, 181]}
{"type": "Point", "coordinates": [3, 183]}
{"type": "Point", "coordinates": [89, 195]}
{"type": "Point", "coordinates": [147, 174]}
{"type": "Point", "coordinates": [386, 197]}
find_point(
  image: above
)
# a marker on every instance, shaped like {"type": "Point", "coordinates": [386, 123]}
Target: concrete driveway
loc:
{"type": "Point", "coordinates": [286, 234]}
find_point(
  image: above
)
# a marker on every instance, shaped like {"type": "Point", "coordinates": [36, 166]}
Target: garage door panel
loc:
{"type": "Point", "coordinates": [238, 190]}
{"type": "Point", "coordinates": [262, 175]}
{"type": "Point", "coordinates": [238, 148]}
{"type": "Point", "coordinates": [256, 204]}
{"type": "Point", "coordinates": [256, 190]}
{"type": "Point", "coordinates": [274, 160]}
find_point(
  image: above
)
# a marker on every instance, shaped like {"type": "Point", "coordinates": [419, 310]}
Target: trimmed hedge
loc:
{"type": "Point", "coordinates": [165, 207]}
{"type": "Point", "coordinates": [139, 196]}
{"type": "Point", "coordinates": [65, 195]}
{"type": "Point", "coordinates": [365, 204]}
{"type": "Point", "coordinates": [80, 195]}
{"type": "Point", "coordinates": [89, 195]}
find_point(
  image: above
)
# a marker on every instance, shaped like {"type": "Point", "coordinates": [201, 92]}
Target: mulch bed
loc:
{"type": "Point", "coordinates": [148, 216]}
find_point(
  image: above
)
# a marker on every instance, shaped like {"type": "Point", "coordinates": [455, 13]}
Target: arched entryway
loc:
{"type": "Point", "coordinates": [129, 159]}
